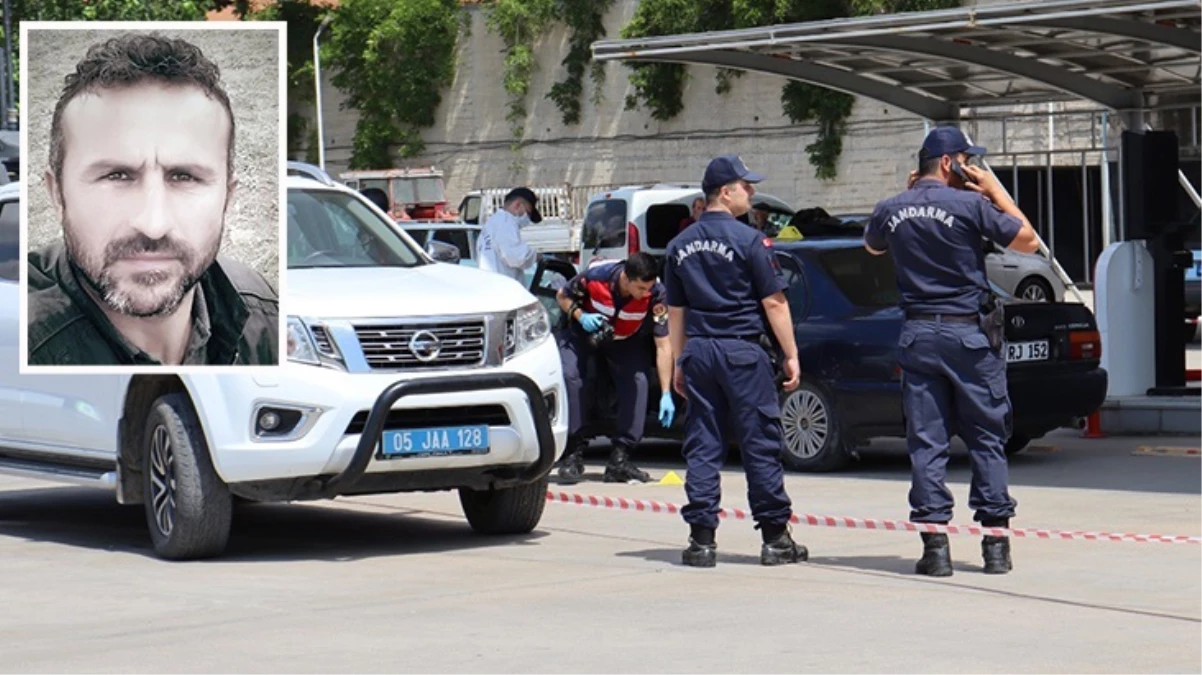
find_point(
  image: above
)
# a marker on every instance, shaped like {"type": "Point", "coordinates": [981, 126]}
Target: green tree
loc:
{"type": "Point", "coordinates": [106, 10]}
{"type": "Point", "coordinates": [115, 10]}
{"type": "Point", "coordinates": [392, 59]}
{"type": "Point", "coordinates": [519, 23]}
{"type": "Point", "coordinates": [303, 19]}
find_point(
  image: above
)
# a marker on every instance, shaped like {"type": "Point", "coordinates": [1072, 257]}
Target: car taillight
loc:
{"type": "Point", "coordinates": [632, 239]}
{"type": "Point", "coordinates": [1084, 344]}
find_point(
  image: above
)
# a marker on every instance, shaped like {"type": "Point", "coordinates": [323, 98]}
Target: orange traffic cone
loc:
{"type": "Point", "coordinates": [1093, 426]}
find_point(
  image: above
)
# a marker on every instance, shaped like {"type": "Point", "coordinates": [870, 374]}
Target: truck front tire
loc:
{"type": "Point", "coordinates": [512, 510]}
{"type": "Point", "coordinates": [188, 507]}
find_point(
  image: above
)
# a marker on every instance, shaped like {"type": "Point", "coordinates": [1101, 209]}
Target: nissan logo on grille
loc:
{"type": "Point", "coordinates": [425, 346]}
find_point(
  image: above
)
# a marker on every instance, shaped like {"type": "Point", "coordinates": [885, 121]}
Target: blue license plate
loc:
{"type": "Point", "coordinates": [469, 440]}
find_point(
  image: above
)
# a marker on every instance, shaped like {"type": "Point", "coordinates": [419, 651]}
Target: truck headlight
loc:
{"type": "Point", "coordinates": [300, 343]}
{"type": "Point", "coordinates": [312, 343]}
{"type": "Point", "coordinates": [528, 327]}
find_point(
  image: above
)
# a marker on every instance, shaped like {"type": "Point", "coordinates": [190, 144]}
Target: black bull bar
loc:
{"type": "Point", "coordinates": [374, 428]}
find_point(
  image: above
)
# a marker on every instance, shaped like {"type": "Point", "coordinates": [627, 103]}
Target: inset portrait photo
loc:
{"type": "Point", "coordinates": [151, 192]}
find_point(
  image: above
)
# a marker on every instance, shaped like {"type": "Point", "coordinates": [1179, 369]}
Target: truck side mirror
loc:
{"type": "Point", "coordinates": [443, 252]}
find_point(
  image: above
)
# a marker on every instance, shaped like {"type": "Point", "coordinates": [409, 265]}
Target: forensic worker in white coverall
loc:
{"type": "Point", "coordinates": [500, 246]}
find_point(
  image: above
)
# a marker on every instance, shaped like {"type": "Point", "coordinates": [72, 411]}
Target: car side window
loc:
{"type": "Point", "coordinates": [471, 210]}
{"type": "Point", "coordinates": [798, 292]}
{"type": "Point", "coordinates": [546, 287]}
{"type": "Point", "coordinates": [10, 216]}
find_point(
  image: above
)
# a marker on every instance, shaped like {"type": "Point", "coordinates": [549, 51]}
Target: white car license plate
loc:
{"type": "Point", "coordinates": [1018, 352]}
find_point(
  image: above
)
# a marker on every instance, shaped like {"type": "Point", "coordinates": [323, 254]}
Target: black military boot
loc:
{"type": "Point", "coordinates": [936, 556]}
{"type": "Point", "coordinates": [779, 547]}
{"type": "Point", "coordinates": [996, 552]}
{"type": "Point", "coordinates": [571, 465]}
{"type": "Point", "coordinates": [702, 550]}
{"type": "Point", "coordinates": [620, 470]}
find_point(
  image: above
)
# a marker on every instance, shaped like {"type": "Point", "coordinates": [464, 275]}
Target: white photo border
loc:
{"type": "Point", "coordinates": [281, 30]}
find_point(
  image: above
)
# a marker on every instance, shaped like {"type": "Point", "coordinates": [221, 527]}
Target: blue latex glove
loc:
{"type": "Point", "coordinates": [667, 409]}
{"type": "Point", "coordinates": [591, 322]}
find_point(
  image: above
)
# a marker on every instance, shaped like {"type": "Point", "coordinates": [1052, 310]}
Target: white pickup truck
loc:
{"type": "Point", "coordinates": [403, 374]}
{"type": "Point", "coordinates": [562, 208]}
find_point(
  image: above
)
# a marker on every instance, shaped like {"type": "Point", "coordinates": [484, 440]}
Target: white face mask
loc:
{"type": "Point", "coordinates": [523, 221]}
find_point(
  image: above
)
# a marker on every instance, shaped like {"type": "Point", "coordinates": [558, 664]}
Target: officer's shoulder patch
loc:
{"type": "Point", "coordinates": [660, 313]}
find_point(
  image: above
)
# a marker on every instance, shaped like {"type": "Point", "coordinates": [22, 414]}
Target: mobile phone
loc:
{"type": "Point", "coordinates": [958, 169]}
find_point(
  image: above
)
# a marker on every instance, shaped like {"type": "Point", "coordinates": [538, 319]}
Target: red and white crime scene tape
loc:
{"type": "Point", "coordinates": [627, 504]}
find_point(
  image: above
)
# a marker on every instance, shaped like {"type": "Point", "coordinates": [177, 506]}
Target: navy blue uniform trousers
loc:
{"type": "Point", "coordinates": [729, 382]}
{"type": "Point", "coordinates": [628, 362]}
{"type": "Point", "coordinates": [952, 382]}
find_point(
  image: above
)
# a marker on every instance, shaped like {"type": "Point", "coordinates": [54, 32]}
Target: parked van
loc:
{"type": "Point", "coordinates": [626, 220]}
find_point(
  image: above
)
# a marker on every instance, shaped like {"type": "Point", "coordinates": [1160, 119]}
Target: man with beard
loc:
{"type": "Point", "coordinates": [141, 175]}
{"type": "Point", "coordinates": [950, 345]}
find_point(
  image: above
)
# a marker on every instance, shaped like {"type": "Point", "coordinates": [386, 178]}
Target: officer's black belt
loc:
{"type": "Point", "coordinates": [946, 318]}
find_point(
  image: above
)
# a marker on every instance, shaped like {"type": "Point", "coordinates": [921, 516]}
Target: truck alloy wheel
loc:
{"type": "Point", "coordinates": [188, 506]}
{"type": "Point", "coordinates": [162, 480]}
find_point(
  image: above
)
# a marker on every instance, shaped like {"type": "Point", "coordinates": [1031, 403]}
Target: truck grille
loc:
{"type": "Point", "coordinates": [433, 345]}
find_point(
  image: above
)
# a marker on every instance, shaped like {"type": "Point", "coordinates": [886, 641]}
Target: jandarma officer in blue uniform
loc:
{"type": "Point", "coordinates": [724, 290]}
{"type": "Point", "coordinates": [954, 375]}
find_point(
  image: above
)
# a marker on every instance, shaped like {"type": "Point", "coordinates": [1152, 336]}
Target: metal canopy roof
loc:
{"type": "Point", "coordinates": [1122, 54]}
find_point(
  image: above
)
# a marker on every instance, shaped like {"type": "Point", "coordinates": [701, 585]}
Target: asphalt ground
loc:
{"type": "Point", "coordinates": [399, 583]}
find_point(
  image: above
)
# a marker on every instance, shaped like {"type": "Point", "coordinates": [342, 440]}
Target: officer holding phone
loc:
{"type": "Point", "coordinates": [953, 371]}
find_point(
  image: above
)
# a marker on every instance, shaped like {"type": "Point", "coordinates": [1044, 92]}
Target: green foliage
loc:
{"type": "Point", "coordinates": [102, 10]}
{"type": "Point", "coordinates": [392, 59]}
{"type": "Point", "coordinates": [113, 10]}
{"type": "Point", "coordinates": [303, 20]}
{"type": "Point", "coordinates": [830, 109]}
{"type": "Point", "coordinates": [519, 23]}
{"type": "Point", "coordinates": [585, 19]}
{"type": "Point", "coordinates": [660, 86]}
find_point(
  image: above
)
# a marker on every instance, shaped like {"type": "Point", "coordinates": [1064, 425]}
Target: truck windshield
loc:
{"type": "Point", "coordinates": [335, 229]}
{"type": "Point", "coordinates": [417, 191]}
{"type": "Point", "coordinates": [429, 190]}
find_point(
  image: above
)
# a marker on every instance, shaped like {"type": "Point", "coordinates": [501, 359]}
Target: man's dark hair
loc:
{"type": "Point", "coordinates": [928, 166]}
{"type": "Point", "coordinates": [641, 267]}
{"type": "Point", "coordinates": [133, 59]}
{"type": "Point", "coordinates": [377, 197]}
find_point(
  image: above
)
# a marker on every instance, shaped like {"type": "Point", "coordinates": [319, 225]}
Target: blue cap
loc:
{"type": "Point", "coordinates": [948, 141]}
{"type": "Point", "coordinates": [727, 169]}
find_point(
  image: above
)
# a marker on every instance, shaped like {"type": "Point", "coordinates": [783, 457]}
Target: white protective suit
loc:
{"type": "Point", "coordinates": [500, 246]}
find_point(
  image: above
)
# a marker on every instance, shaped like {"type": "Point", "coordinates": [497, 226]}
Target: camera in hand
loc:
{"type": "Point", "coordinates": [601, 336]}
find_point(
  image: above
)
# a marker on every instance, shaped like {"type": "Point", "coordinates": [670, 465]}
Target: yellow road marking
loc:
{"type": "Point", "coordinates": [1167, 451]}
